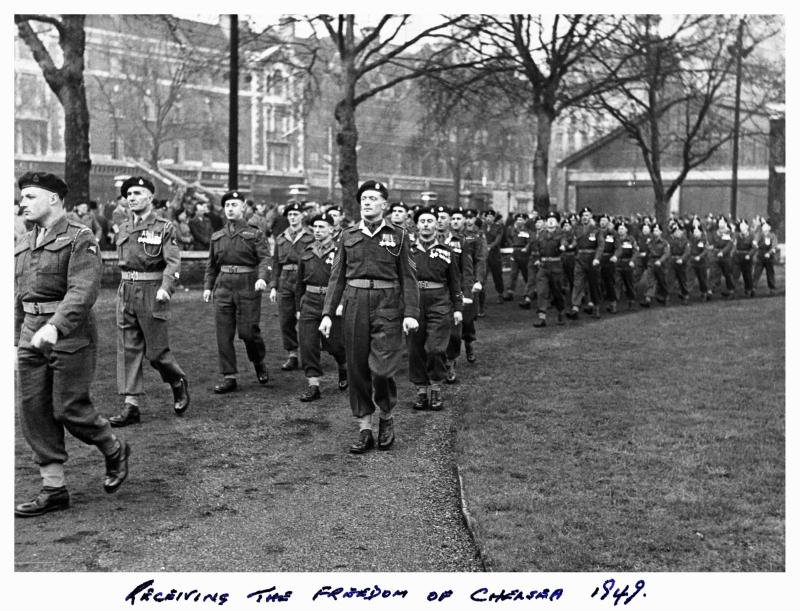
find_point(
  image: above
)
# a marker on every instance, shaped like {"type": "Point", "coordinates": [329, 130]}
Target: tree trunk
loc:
{"type": "Point", "coordinates": [457, 182]}
{"type": "Point", "coordinates": [77, 161]}
{"type": "Point", "coordinates": [541, 192]}
{"type": "Point", "coordinates": [346, 140]}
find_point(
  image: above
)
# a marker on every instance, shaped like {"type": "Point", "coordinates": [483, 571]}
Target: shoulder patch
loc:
{"type": "Point", "coordinates": [217, 235]}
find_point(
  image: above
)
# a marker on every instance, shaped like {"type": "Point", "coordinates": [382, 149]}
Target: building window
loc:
{"type": "Point", "coordinates": [31, 137]}
{"type": "Point", "coordinates": [278, 157]}
{"type": "Point", "coordinates": [118, 147]}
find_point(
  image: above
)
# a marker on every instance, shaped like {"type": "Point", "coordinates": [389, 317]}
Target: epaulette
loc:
{"type": "Point", "coordinates": [217, 234]}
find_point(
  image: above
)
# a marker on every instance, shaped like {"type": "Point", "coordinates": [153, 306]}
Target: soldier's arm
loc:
{"type": "Point", "coordinates": [467, 271]}
{"type": "Point", "coordinates": [665, 256]}
{"type": "Point", "coordinates": [264, 258]}
{"type": "Point", "coordinates": [497, 240]}
{"type": "Point", "coordinates": [212, 270]}
{"type": "Point", "coordinates": [171, 253]}
{"type": "Point", "coordinates": [687, 249]}
{"type": "Point", "coordinates": [300, 284]}
{"type": "Point", "coordinates": [601, 239]}
{"type": "Point", "coordinates": [336, 281]}
{"type": "Point", "coordinates": [456, 293]}
{"type": "Point", "coordinates": [407, 272]}
{"type": "Point", "coordinates": [481, 251]}
{"type": "Point", "coordinates": [83, 283]}
{"type": "Point", "coordinates": [277, 266]}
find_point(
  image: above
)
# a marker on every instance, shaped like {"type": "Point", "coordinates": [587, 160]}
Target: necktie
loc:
{"type": "Point", "coordinates": [40, 236]}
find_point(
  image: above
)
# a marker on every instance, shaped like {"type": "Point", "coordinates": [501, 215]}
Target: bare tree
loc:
{"type": "Point", "coordinates": [67, 82]}
{"type": "Point", "coordinates": [675, 98]}
{"type": "Point", "coordinates": [387, 48]}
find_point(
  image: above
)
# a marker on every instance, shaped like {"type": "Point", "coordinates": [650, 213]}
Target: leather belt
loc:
{"type": "Point", "coordinates": [319, 290]}
{"type": "Point", "coordinates": [428, 284]}
{"type": "Point", "coordinates": [237, 269]}
{"type": "Point", "coordinates": [549, 258]}
{"type": "Point", "coordinates": [292, 267]}
{"type": "Point", "coordinates": [46, 307]}
{"type": "Point", "coordinates": [586, 251]}
{"type": "Point", "coordinates": [367, 283]}
{"type": "Point", "coordinates": [134, 275]}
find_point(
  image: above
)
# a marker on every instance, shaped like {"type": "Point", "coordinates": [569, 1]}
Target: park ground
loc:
{"type": "Point", "coordinates": [647, 441]}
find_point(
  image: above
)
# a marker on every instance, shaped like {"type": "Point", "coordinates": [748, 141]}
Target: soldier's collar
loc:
{"type": "Point", "coordinates": [363, 227]}
{"type": "Point", "coordinates": [148, 219]}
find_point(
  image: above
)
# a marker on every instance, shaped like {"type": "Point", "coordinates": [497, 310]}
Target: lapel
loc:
{"type": "Point", "coordinates": [50, 235]}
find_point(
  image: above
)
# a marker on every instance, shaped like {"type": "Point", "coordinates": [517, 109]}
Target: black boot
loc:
{"type": "Point", "coordinates": [385, 433]}
{"type": "Point", "coordinates": [312, 394]}
{"type": "Point", "coordinates": [180, 394]}
{"type": "Point", "coordinates": [227, 385]}
{"type": "Point", "coordinates": [116, 468]}
{"type": "Point", "coordinates": [128, 415]}
{"type": "Point", "coordinates": [48, 499]}
{"type": "Point", "coordinates": [470, 352]}
{"type": "Point", "coordinates": [261, 373]}
{"type": "Point", "coordinates": [421, 403]}
{"type": "Point", "coordinates": [365, 442]}
{"type": "Point", "coordinates": [291, 364]}
{"type": "Point", "coordinates": [436, 401]}
{"type": "Point", "coordinates": [343, 379]}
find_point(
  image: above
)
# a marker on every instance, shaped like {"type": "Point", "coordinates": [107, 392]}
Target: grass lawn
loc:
{"type": "Point", "coordinates": [653, 441]}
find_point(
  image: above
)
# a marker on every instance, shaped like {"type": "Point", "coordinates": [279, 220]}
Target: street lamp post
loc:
{"type": "Point", "coordinates": [233, 114]}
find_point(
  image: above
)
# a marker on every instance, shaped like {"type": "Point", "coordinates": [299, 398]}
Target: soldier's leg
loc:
{"type": "Point", "coordinates": [288, 322]}
{"type": "Point", "coordinates": [248, 317]}
{"type": "Point", "coordinates": [758, 268]}
{"type": "Point", "coordinates": [417, 357]}
{"type": "Point", "coordinates": [439, 331]}
{"type": "Point", "coordinates": [494, 263]}
{"type": "Point", "coordinates": [468, 332]}
{"type": "Point", "coordinates": [155, 328]}
{"type": "Point", "coordinates": [769, 265]}
{"type": "Point", "coordinates": [130, 343]}
{"type": "Point", "coordinates": [385, 348]}
{"type": "Point", "coordinates": [356, 334]}
{"type": "Point", "coordinates": [225, 323]}
{"type": "Point", "coordinates": [747, 275]}
{"type": "Point", "coordinates": [725, 269]}
{"type": "Point", "coordinates": [554, 284]}
{"type": "Point", "coordinates": [72, 373]}
{"type": "Point", "coordinates": [580, 285]}
{"type": "Point", "coordinates": [512, 281]}
{"type": "Point", "coordinates": [680, 277]}
{"type": "Point", "coordinates": [309, 336]}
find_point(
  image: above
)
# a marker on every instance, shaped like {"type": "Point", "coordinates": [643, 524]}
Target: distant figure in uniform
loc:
{"type": "Point", "coordinates": [398, 214]}
{"type": "Point", "coordinates": [767, 244]}
{"type": "Point", "coordinates": [743, 255]}
{"type": "Point", "coordinates": [656, 276]}
{"type": "Point", "coordinates": [679, 250]}
{"type": "Point", "coordinates": [495, 235]}
{"type": "Point", "coordinates": [150, 261]}
{"type": "Point", "coordinates": [724, 244]}
{"type": "Point", "coordinates": [475, 250]}
{"type": "Point", "coordinates": [375, 279]}
{"type": "Point", "coordinates": [568, 257]}
{"type": "Point", "coordinates": [608, 262]}
{"type": "Point", "coordinates": [57, 269]}
{"type": "Point", "coordinates": [336, 212]}
{"type": "Point", "coordinates": [288, 246]}
{"type": "Point", "coordinates": [518, 236]}
{"type": "Point", "coordinates": [626, 253]}
{"type": "Point", "coordinates": [313, 274]}
{"type": "Point", "coordinates": [587, 265]}
{"type": "Point", "coordinates": [546, 269]}
{"type": "Point", "coordinates": [237, 272]}
{"type": "Point", "coordinates": [698, 243]}
{"type": "Point", "coordinates": [440, 306]}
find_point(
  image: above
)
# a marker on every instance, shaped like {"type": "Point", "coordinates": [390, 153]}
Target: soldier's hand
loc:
{"type": "Point", "coordinates": [162, 296]}
{"type": "Point", "coordinates": [537, 263]}
{"type": "Point", "coordinates": [297, 315]}
{"type": "Point", "coordinates": [679, 262]}
{"type": "Point", "coordinates": [631, 264]}
{"type": "Point", "coordinates": [477, 287]}
{"type": "Point", "coordinates": [747, 257]}
{"type": "Point", "coordinates": [273, 294]}
{"type": "Point", "coordinates": [467, 301]}
{"type": "Point", "coordinates": [325, 326]}
{"type": "Point", "coordinates": [261, 285]}
{"type": "Point", "coordinates": [410, 324]}
{"type": "Point", "coordinates": [658, 263]}
{"type": "Point", "coordinates": [458, 317]}
{"type": "Point", "coordinates": [596, 262]}
{"type": "Point", "coordinates": [613, 258]}
{"type": "Point", "coordinates": [45, 337]}
{"type": "Point", "coordinates": [206, 295]}
{"type": "Point", "coordinates": [719, 254]}
{"type": "Point", "coordinates": [766, 256]}
{"type": "Point", "coordinates": [339, 309]}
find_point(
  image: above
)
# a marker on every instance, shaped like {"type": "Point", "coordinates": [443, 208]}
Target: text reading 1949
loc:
{"type": "Point", "coordinates": [625, 595]}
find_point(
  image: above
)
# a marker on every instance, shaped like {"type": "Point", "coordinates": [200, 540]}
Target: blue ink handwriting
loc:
{"type": "Point", "coordinates": [145, 593]}
{"type": "Point", "coordinates": [480, 595]}
{"type": "Point", "coordinates": [625, 595]}
{"type": "Point", "coordinates": [365, 593]}
{"type": "Point", "coordinates": [269, 595]}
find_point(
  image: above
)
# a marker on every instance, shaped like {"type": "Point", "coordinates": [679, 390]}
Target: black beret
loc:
{"type": "Point", "coordinates": [424, 210]}
{"type": "Point", "coordinates": [566, 221]}
{"type": "Point", "coordinates": [292, 206]}
{"type": "Point", "coordinates": [471, 213]}
{"type": "Point", "coordinates": [440, 208]}
{"type": "Point", "coordinates": [337, 207]}
{"type": "Point", "coordinates": [373, 185]}
{"type": "Point", "coordinates": [520, 215]}
{"type": "Point", "coordinates": [394, 205]}
{"type": "Point", "coordinates": [586, 209]}
{"type": "Point", "coordinates": [458, 210]}
{"type": "Point", "coordinates": [136, 181]}
{"type": "Point", "coordinates": [44, 180]}
{"type": "Point", "coordinates": [554, 215]}
{"type": "Point", "coordinates": [327, 218]}
{"type": "Point", "coordinates": [232, 195]}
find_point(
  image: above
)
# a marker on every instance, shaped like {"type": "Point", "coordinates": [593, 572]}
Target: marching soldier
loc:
{"type": "Point", "coordinates": [150, 261]}
{"type": "Point", "coordinates": [724, 244]}
{"type": "Point", "coordinates": [463, 262]}
{"type": "Point", "coordinates": [374, 277]}
{"type": "Point", "coordinates": [746, 248]}
{"type": "Point", "coordinates": [57, 270]}
{"type": "Point", "coordinates": [474, 224]}
{"type": "Point", "coordinates": [475, 249]}
{"type": "Point", "coordinates": [440, 299]}
{"type": "Point", "coordinates": [698, 256]}
{"type": "Point", "coordinates": [288, 247]}
{"type": "Point", "coordinates": [237, 272]}
{"type": "Point", "coordinates": [643, 238]}
{"type": "Point", "coordinates": [546, 266]}
{"type": "Point", "coordinates": [495, 235]}
{"type": "Point", "coordinates": [518, 236]}
{"type": "Point", "coordinates": [608, 262]}
{"type": "Point", "coordinates": [767, 244]}
{"type": "Point", "coordinates": [568, 257]}
{"type": "Point", "coordinates": [587, 265]}
{"type": "Point", "coordinates": [679, 250]}
{"type": "Point", "coordinates": [655, 278]}
{"type": "Point", "coordinates": [313, 275]}
{"type": "Point", "coordinates": [340, 223]}
{"type": "Point", "coordinates": [625, 254]}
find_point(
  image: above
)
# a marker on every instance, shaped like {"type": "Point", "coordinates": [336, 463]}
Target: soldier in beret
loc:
{"type": "Point", "coordinates": [546, 269]}
{"type": "Point", "coordinates": [743, 255]}
{"type": "Point", "coordinates": [336, 212]}
{"type": "Point", "coordinates": [57, 269]}
{"type": "Point", "coordinates": [150, 261]}
{"type": "Point", "coordinates": [655, 278]}
{"type": "Point", "coordinates": [586, 236]}
{"type": "Point", "coordinates": [374, 277]}
{"type": "Point", "coordinates": [313, 274]}
{"type": "Point", "coordinates": [608, 262]}
{"type": "Point", "coordinates": [626, 253]}
{"type": "Point", "coordinates": [495, 233]}
{"type": "Point", "coordinates": [679, 249]}
{"type": "Point", "coordinates": [288, 246]}
{"type": "Point", "coordinates": [767, 245]}
{"type": "Point", "coordinates": [475, 249]}
{"type": "Point", "coordinates": [237, 272]}
{"type": "Point", "coordinates": [440, 308]}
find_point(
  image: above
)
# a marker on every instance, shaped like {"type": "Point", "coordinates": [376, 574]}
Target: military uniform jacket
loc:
{"type": "Point", "coordinates": [697, 247]}
{"type": "Point", "coordinates": [746, 245]}
{"type": "Point", "coordinates": [382, 255]}
{"type": "Point", "coordinates": [723, 243]}
{"type": "Point", "coordinates": [767, 244]}
{"type": "Point", "coordinates": [588, 237]}
{"type": "Point", "coordinates": [437, 263]}
{"type": "Point", "coordinates": [658, 250]}
{"type": "Point", "coordinates": [548, 244]}
{"type": "Point", "coordinates": [643, 244]}
{"type": "Point", "coordinates": [315, 266]}
{"type": "Point", "coordinates": [462, 258]}
{"type": "Point", "coordinates": [287, 251]}
{"type": "Point", "coordinates": [149, 245]}
{"type": "Point", "coordinates": [495, 232]}
{"type": "Point", "coordinates": [610, 241]}
{"type": "Point", "coordinates": [475, 247]}
{"type": "Point", "coordinates": [626, 249]}
{"type": "Point", "coordinates": [518, 238]}
{"type": "Point", "coordinates": [238, 243]}
{"type": "Point", "coordinates": [679, 246]}
{"type": "Point", "coordinates": [65, 267]}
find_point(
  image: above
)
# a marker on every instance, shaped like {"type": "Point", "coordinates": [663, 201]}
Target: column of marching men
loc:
{"type": "Point", "coordinates": [401, 281]}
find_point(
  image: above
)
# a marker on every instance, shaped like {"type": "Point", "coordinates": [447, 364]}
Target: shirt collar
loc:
{"type": "Point", "coordinates": [365, 230]}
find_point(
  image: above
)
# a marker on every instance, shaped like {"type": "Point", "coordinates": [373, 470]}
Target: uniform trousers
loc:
{"type": "Point", "coordinates": [494, 265]}
{"type": "Point", "coordinates": [723, 267]}
{"type": "Point", "coordinates": [237, 307]}
{"type": "Point", "coordinates": [373, 341]}
{"type": "Point", "coordinates": [761, 265]}
{"type": "Point", "coordinates": [519, 265]}
{"type": "Point", "coordinates": [608, 272]}
{"type": "Point", "coordinates": [743, 267]}
{"type": "Point", "coordinates": [549, 283]}
{"type": "Point", "coordinates": [625, 283]}
{"type": "Point", "coordinates": [312, 341]}
{"type": "Point", "coordinates": [701, 273]}
{"type": "Point", "coordinates": [427, 345]}
{"type": "Point", "coordinates": [287, 310]}
{"type": "Point", "coordinates": [465, 331]}
{"type": "Point", "coordinates": [568, 265]}
{"type": "Point", "coordinates": [142, 332]}
{"type": "Point", "coordinates": [679, 272]}
{"type": "Point", "coordinates": [586, 274]}
{"type": "Point", "coordinates": [655, 278]}
{"type": "Point", "coordinates": [54, 392]}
